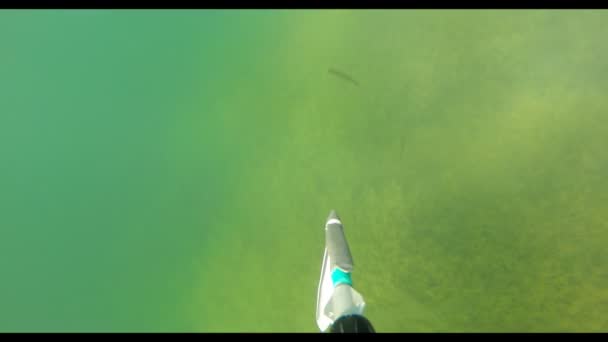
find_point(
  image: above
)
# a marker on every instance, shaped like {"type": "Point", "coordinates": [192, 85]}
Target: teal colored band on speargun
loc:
{"type": "Point", "coordinates": [340, 277]}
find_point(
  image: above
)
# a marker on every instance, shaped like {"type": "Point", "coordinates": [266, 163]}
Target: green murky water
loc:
{"type": "Point", "coordinates": [172, 170]}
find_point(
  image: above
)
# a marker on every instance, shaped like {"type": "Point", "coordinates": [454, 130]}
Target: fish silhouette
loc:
{"type": "Point", "coordinates": [343, 75]}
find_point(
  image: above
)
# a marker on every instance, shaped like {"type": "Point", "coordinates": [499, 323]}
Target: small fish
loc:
{"type": "Point", "coordinates": [343, 76]}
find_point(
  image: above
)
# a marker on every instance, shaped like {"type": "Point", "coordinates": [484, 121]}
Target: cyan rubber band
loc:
{"type": "Point", "coordinates": [340, 277]}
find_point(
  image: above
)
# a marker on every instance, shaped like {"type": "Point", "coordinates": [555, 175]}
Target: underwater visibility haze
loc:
{"type": "Point", "coordinates": [167, 171]}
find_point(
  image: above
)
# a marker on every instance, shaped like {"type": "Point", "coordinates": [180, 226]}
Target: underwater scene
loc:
{"type": "Point", "coordinates": [173, 171]}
